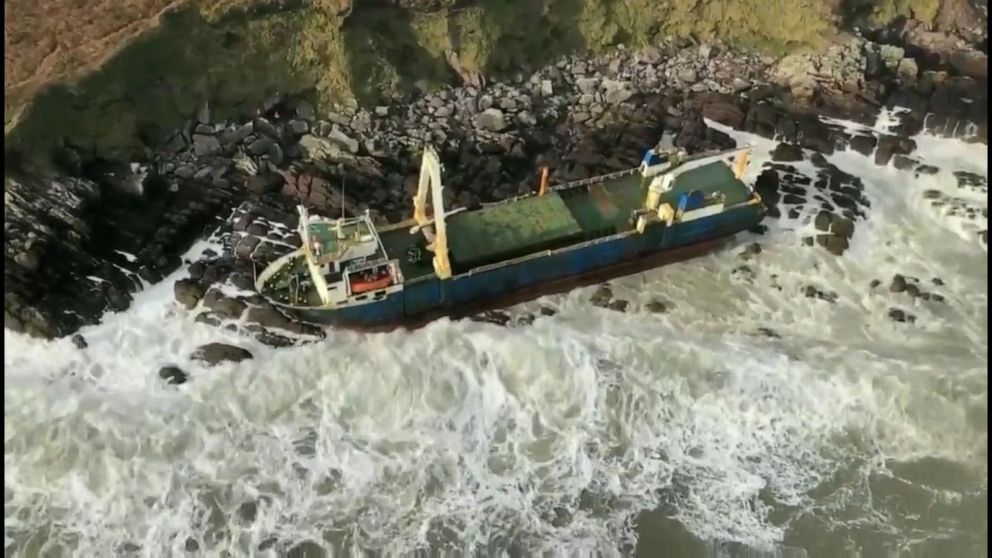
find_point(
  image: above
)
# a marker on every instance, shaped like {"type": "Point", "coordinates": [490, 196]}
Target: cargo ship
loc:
{"type": "Point", "coordinates": [349, 272]}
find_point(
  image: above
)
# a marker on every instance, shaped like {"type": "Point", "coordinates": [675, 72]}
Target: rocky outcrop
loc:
{"type": "Point", "coordinates": [216, 353]}
{"type": "Point", "coordinates": [114, 228]}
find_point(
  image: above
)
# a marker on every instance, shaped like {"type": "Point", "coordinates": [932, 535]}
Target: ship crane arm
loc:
{"type": "Point", "coordinates": [430, 179]}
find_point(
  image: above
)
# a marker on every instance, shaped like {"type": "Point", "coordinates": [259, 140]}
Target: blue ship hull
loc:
{"type": "Point", "coordinates": [530, 277]}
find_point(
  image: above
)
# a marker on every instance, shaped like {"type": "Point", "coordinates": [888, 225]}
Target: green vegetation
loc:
{"type": "Point", "coordinates": [233, 59]}
{"type": "Point", "coordinates": [923, 10]}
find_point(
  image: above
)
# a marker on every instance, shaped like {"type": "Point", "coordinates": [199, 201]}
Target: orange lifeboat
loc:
{"type": "Point", "coordinates": [369, 281]}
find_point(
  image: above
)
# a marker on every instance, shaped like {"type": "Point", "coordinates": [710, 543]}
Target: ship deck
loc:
{"type": "Point", "coordinates": [505, 230]}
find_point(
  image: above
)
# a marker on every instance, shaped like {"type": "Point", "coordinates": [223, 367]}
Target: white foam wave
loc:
{"type": "Point", "coordinates": [553, 435]}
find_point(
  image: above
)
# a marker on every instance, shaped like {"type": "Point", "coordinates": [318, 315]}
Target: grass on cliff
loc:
{"type": "Point", "coordinates": [235, 53]}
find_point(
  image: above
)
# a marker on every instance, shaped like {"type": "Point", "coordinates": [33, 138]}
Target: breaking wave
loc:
{"type": "Point", "coordinates": [746, 413]}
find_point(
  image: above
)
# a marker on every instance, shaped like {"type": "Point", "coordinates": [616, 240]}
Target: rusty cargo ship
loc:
{"type": "Point", "coordinates": [349, 272]}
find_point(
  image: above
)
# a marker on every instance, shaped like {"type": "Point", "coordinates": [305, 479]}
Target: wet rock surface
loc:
{"type": "Point", "coordinates": [83, 241]}
{"type": "Point", "coordinates": [216, 353]}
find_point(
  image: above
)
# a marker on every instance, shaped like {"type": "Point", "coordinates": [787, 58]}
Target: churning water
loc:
{"type": "Point", "coordinates": [691, 432]}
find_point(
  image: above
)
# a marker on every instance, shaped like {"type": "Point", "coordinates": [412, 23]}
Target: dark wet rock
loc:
{"type": "Point", "coordinates": [562, 517]}
{"type": "Point", "coordinates": [926, 170]}
{"type": "Point", "coordinates": [768, 332]}
{"type": "Point", "coordinates": [787, 152]}
{"type": "Point", "coordinates": [264, 183]}
{"type": "Point", "coordinates": [750, 251]}
{"type": "Point", "coordinates": [743, 272]}
{"type": "Point", "coordinates": [188, 293]}
{"type": "Point", "coordinates": [903, 162]}
{"type": "Point", "coordinates": [242, 280]}
{"type": "Point", "coordinates": [274, 339]}
{"type": "Point", "coordinates": [269, 317]}
{"type": "Point", "coordinates": [247, 511]}
{"type": "Point", "coordinates": [306, 549]}
{"type": "Point", "coordinates": [835, 244]}
{"type": "Point", "coordinates": [889, 146]}
{"type": "Point", "coordinates": [525, 319]}
{"type": "Point", "coordinates": [656, 307]}
{"type": "Point", "coordinates": [758, 229]}
{"type": "Point", "coordinates": [912, 290]}
{"type": "Point", "coordinates": [79, 341]}
{"type": "Point", "coordinates": [809, 291]}
{"type": "Point", "coordinates": [899, 315]}
{"type": "Point", "coordinates": [874, 283]}
{"type": "Point", "coordinates": [206, 318]}
{"type": "Point", "coordinates": [492, 317]}
{"type": "Point", "coordinates": [245, 247]}
{"type": "Point", "coordinates": [173, 375]}
{"type": "Point", "coordinates": [937, 281]}
{"type": "Point", "coordinates": [898, 284]}
{"type": "Point", "coordinates": [191, 545]}
{"type": "Point", "coordinates": [618, 305]}
{"type": "Point", "coordinates": [215, 353]}
{"type": "Point", "coordinates": [863, 144]}
{"type": "Point", "coordinates": [548, 311]}
{"type": "Point", "coordinates": [602, 296]}
{"type": "Point", "coordinates": [223, 306]}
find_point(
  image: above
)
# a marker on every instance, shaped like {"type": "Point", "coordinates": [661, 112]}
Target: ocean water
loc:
{"type": "Point", "coordinates": [590, 432]}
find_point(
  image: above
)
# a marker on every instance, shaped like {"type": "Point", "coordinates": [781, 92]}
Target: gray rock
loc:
{"type": "Point", "coordinates": [265, 127]}
{"type": "Point", "coordinates": [382, 111]}
{"type": "Point", "coordinates": [275, 154]}
{"type": "Point", "coordinates": [205, 145]}
{"type": "Point", "coordinates": [342, 139]}
{"type": "Point", "coordinates": [215, 353]}
{"type": "Point", "coordinates": [705, 51]}
{"type": "Point", "coordinates": [323, 128]}
{"type": "Point", "coordinates": [203, 115]}
{"type": "Point", "coordinates": [547, 88]}
{"type": "Point", "coordinates": [79, 341]}
{"type": "Point", "coordinates": [444, 111]}
{"type": "Point", "coordinates": [526, 118]}
{"type": "Point", "coordinates": [260, 146]}
{"type": "Point", "coordinates": [239, 134]}
{"type": "Point", "coordinates": [185, 171]}
{"type": "Point", "coordinates": [618, 96]}
{"type": "Point", "coordinates": [587, 99]}
{"type": "Point", "coordinates": [491, 119]}
{"type": "Point", "coordinates": [586, 85]}
{"type": "Point", "coordinates": [651, 55]}
{"type": "Point", "coordinates": [908, 69]}
{"type": "Point", "coordinates": [688, 75]}
{"type": "Point", "coordinates": [299, 127]}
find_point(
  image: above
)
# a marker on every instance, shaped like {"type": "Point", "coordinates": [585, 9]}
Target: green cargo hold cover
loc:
{"type": "Point", "coordinates": [714, 177]}
{"type": "Point", "coordinates": [512, 229]}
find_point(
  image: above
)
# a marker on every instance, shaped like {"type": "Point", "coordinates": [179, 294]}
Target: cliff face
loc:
{"type": "Point", "coordinates": [109, 77]}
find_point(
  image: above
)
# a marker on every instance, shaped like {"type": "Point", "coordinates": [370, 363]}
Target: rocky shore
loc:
{"type": "Point", "coordinates": [82, 242]}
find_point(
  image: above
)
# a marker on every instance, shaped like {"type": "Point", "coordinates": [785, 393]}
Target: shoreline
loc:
{"type": "Point", "coordinates": [127, 224]}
